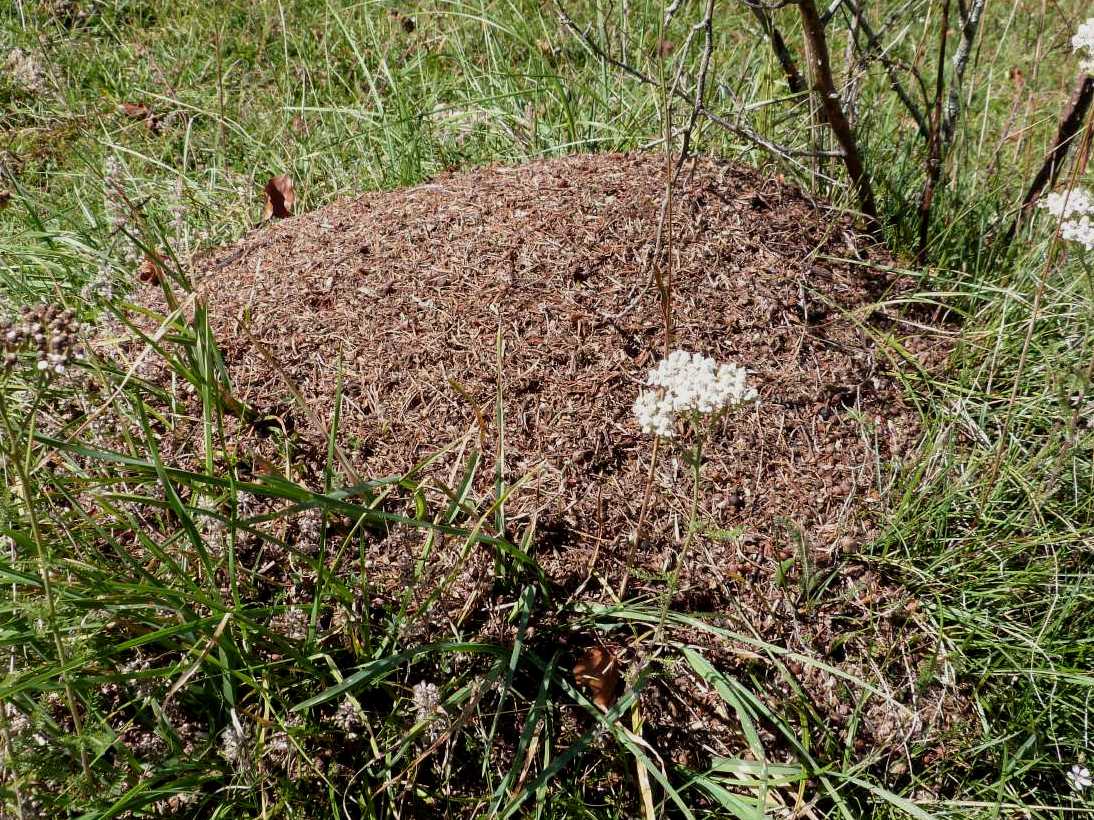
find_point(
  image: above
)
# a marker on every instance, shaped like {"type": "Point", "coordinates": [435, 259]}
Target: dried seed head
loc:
{"type": "Point", "coordinates": [46, 330]}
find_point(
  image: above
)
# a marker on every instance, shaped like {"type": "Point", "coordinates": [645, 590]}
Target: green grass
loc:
{"type": "Point", "coordinates": [992, 526]}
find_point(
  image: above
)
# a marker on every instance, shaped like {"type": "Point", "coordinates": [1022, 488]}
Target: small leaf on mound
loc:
{"type": "Point", "coordinates": [280, 197]}
{"type": "Point", "coordinates": [598, 669]}
{"type": "Point", "coordinates": [135, 111]}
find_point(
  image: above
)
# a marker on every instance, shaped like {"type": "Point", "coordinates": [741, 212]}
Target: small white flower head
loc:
{"type": "Point", "coordinates": [1075, 210]}
{"type": "Point", "coordinates": [685, 383]}
{"type": "Point", "coordinates": [1080, 230]}
{"type": "Point", "coordinates": [1083, 42]}
{"type": "Point", "coordinates": [236, 747]}
{"type": "Point", "coordinates": [346, 717]}
{"type": "Point", "coordinates": [427, 708]}
{"type": "Point", "coordinates": [1078, 777]}
{"type": "Point", "coordinates": [1067, 204]}
{"type": "Point", "coordinates": [426, 700]}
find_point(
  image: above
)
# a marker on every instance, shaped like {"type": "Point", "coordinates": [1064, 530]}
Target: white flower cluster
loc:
{"type": "Point", "coordinates": [1078, 777]}
{"type": "Point", "coordinates": [1084, 41]}
{"type": "Point", "coordinates": [1075, 210]}
{"type": "Point", "coordinates": [427, 708]}
{"type": "Point", "coordinates": [688, 383]}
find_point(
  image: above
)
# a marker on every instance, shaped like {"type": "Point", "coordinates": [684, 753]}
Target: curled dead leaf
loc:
{"type": "Point", "coordinates": [280, 197]}
{"type": "Point", "coordinates": [5, 199]}
{"type": "Point", "coordinates": [135, 111]}
{"type": "Point", "coordinates": [598, 669]}
{"type": "Point", "coordinates": [151, 269]}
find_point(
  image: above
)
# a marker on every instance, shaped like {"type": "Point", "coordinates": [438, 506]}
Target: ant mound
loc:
{"type": "Point", "coordinates": [514, 313]}
{"type": "Point", "coordinates": [486, 334]}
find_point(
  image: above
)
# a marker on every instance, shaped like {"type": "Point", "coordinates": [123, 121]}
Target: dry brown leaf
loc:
{"type": "Point", "coordinates": [135, 111]}
{"type": "Point", "coordinates": [151, 269]}
{"type": "Point", "coordinates": [5, 198]}
{"type": "Point", "coordinates": [280, 197]}
{"type": "Point", "coordinates": [598, 669]}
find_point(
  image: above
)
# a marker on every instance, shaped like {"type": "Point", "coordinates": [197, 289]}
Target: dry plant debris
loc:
{"type": "Point", "coordinates": [280, 197]}
{"type": "Point", "coordinates": [599, 671]}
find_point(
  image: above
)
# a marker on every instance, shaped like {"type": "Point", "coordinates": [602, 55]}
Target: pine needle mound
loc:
{"type": "Point", "coordinates": [512, 315]}
{"type": "Point", "coordinates": [535, 284]}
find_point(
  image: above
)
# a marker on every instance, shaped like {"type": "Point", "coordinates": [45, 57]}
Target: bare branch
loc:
{"type": "Point", "coordinates": [825, 88]}
{"type": "Point", "coordinates": [970, 25]}
{"type": "Point", "coordinates": [934, 141]}
{"type": "Point", "coordinates": [1071, 121]}
{"type": "Point", "coordinates": [781, 4]}
{"type": "Point", "coordinates": [736, 128]}
{"type": "Point", "coordinates": [706, 25]}
{"type": "Point", "coordinates": [778, 45]}
{"type": "Point", "coordinates": [873, 44]}
{"type": "Point", "coordinates": [671, 9]}
{"type": "Point", "coordinates": [830, 12]}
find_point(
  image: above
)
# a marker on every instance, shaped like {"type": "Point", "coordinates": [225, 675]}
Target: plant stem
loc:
{"type": "Point", "coordinates": [5, 730]}
{"type": "Point", "coordinates": [693, 518]}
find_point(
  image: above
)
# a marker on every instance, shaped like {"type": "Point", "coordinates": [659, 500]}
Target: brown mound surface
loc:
{"type": "Point", "coordinates": [409, 292]}
{"type": "Point", "coordinates": [535, 284]}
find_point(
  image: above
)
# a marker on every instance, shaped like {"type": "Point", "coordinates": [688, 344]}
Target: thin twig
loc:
{"type": "Point", "coordinates": [970, 25]}
{"type": "Point", "coordinates": [642, 512]}
{"type": "Point", "coordinates": [778, 45]}
{"type": "Point", "coordinates": [934, 141]}
{"type": "Point", "coordinates": [873, 44]}
{"type": "Point", "coordinates": [706, 25]}
{"type": "Point", "coordinates": [830, 12]}
{"type": "Point", "coordinates": [671, 9]}
{"type": "Point", "coordinates": [735, 128]}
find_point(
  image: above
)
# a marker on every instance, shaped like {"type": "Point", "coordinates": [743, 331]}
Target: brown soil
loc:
{"type": "Point", "coordinates": [408, 297]}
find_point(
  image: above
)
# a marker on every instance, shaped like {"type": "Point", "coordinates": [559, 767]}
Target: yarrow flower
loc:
{"type": "Point", "coordinates": [1078, 777]}
{"type": "Point", "coordinates": [686, 383]}
{"type": "Point", "coordinates": [1074, 209]}
{"type": "Point", "coordinates": [1084, 41]}
{"type": "Point", "coordinates": [427, 707]}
